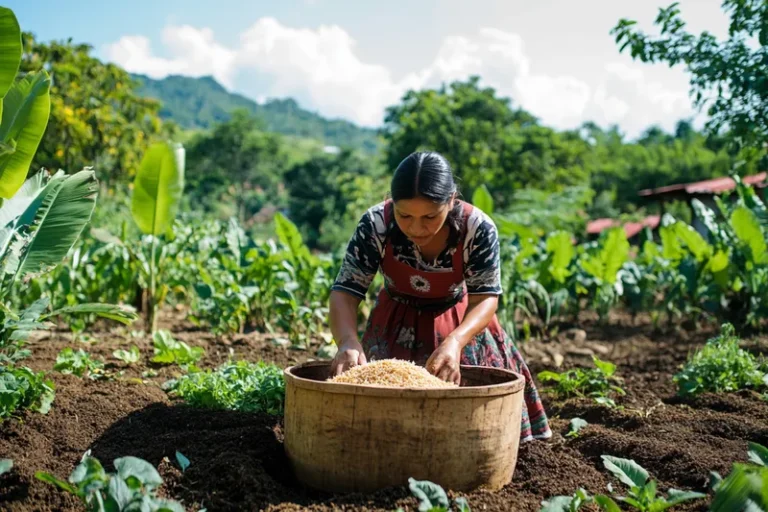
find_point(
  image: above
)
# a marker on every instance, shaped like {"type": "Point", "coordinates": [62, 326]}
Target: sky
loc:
{"type": "Point", "coordinates": [353, 58]}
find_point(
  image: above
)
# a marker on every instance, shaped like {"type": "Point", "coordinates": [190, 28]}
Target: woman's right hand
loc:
{"type": "Point", "coordinates": [349, 354]}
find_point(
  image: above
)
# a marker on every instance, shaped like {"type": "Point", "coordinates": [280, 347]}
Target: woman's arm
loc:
{"type": "Point", "coordinates": [444, 361]}
{"type": "Point", "coordinates": [343, 319]}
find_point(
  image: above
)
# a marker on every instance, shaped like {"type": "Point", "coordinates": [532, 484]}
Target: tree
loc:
{"type": "Point", "coordinates": [485, 140]}
{"type": "Point", "coordinates": [238, 159]}
{"type": "Point", "coordinates": [730, 76]}
{"type": "Point", "coordinates": [328, 193]}
{"type": "Point", "coordinates": [96, 118]}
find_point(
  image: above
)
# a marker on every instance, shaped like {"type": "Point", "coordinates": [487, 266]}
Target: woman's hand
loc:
{"type": "Point", "coordinates": [444, 361]}
{"type": "Point", "coordinates": [349, 354]}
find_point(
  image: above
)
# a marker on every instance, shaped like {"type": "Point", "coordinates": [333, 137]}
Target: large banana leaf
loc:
{"type": "Point", "coordinates": [10, 50]}
{"type": "Point", "coordinates": [66, 205]}
{"type": "Point", "coordinates": [157, 188]}
{"type": "Point", "coordinates": [11, 211]}
{"type": "Point", "coordinates": [26, 108]}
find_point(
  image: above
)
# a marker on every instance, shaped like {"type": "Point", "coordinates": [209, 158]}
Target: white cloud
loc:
{"type": "Point", "coordinates": [323, 70]}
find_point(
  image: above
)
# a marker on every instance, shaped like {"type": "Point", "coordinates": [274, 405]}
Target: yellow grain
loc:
{"type": "Point", "coordinates": [394, 373]}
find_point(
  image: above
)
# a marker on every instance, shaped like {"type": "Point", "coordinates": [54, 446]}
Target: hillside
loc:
{"type": "Point", "coordinates": [203, 102]}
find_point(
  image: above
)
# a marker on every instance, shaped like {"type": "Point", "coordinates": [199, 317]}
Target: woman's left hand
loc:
{"type": "Point", "coordinates": [444, 361]}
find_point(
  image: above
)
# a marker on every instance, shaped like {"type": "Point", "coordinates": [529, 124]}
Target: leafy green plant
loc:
{"type": "Point", "coordinates": [132, 488]}
{"type": "Point", "coordinates": [576, 425]}
{"type": "Point", "coordinates": [721, 366]}
{"type": "Point", "coordinates": [241, 386]}
{"type": "Point", "coordinates": [77, 362]}
{"type": "Point", "coordinates": [158, 187]}
{"type": "Point", "coordinates": [171, 351]}
{"type": "Point", "coordinates": [642, 494]}
{"type": "Point", "coordinates": [597, 382]}
{"type": "Point", "coordinates": [745, 488]}
{"type": "Point", "coordinates": [131, 356]}
{"type": "Point", "coordinates": [21, 388]}
{"type": "Point", "coordinates": [433, 498]}
{"type": "Point", "coordinates": [567, 503]}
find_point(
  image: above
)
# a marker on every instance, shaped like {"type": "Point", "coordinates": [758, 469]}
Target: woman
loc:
{"type": "Point", "coordinates": [440, 261]}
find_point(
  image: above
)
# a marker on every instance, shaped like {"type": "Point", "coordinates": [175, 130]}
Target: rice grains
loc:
{"type": "Point", "coordinates": [394, 373]}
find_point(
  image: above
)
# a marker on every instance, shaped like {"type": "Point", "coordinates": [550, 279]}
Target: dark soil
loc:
{"type": "Point", "coordinates": [238, 461]}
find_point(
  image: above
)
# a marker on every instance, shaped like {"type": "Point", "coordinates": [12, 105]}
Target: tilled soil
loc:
{"type": "Point", "coordinates": [237, 460]}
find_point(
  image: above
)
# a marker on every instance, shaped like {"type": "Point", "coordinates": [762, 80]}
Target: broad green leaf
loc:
{"type": "Point", "coordinates": [182, 460]}
{"type": "Point", "coordinates": [482, 199]}
{"type": "Point", "coordinates": [140, 469]}
{"type": "Point", "coordinates": [560, 247]}
{"type": "Point", "coordinates": [606, 367]}
{"type": "Point", "coordinates": [671, 248]}
{"type": "Point", "coordinates": [691, 238]}
{"type": "Point", "coordinates": [758, 454]}
{"type": "Point", "coordinates": [157, 188]}
{"type": "Point", "coordinates": [12, 209]}
{"type": "Point", "coordinates": [627, 471]}
{"type": "Point", "coordinates": [606, 503]}
{"type": "Point", "coordinates": [66, 208]}
{"type": "Point", "coordinates": [557, 504]}
{"type": "Point", "coordinates": [120, 492]}
{"type": "Point", "coordinates": [747, 229]}
{"type": "Point", "coordinates": [290, 237]}
{"type": "Point", "coordinates": [5, 465]}
{"type": "Point", "coordinates": [429, 494]}
{"type": "Point", "coordinates": [576, 425]}
{"type": "Point", "coordinates": [26, 108]}
{"type": "Point", "coordinates": [120, 313]}
{"type": "Point", "coordinates": [675, 497]}
{"type": "Point", "coordinates": [10, 50]}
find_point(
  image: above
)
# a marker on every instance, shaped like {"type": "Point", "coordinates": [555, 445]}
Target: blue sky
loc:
{"type": "Point", "coordinates": [351, 59]}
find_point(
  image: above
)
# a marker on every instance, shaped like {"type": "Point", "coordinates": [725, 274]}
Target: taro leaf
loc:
{"type": "Point", "coordinates": [627, 471]}
{"type": "Point", "coordinates": [482, 199]}
{"type": "Point", "coordinates": [461, 504]}
{"type": "Point", "coordinates": [676, 496]}
{"type": "Point", "coordinates": [182, 460]}
{"type": "Point", "coordinates": [5, 465]}
{"type": "Point", "coordinates": [430, 495]}
{"type": "Point", "coordinates": [557, 504]}
{"type": "Point", "coordinates": [140, 469]}
{"type": "Point", "coordinates": [576, 425]}
{"type": "Point", "coordinates": [758, 454]}
{"type": "Point", "coordinates": [119, 492]}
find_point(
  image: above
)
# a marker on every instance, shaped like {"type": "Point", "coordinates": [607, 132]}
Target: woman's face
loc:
{"type": "Point", "coordinates": [421, 219]}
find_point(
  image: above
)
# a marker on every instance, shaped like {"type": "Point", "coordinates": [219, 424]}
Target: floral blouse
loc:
{"type": "Point", "coordinates": [366, 249]}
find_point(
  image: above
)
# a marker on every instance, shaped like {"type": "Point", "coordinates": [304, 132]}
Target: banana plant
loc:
{"type": "Point", "coordinates": [157, 191]}
{"type": "Point", "coordinates": [25, 107]}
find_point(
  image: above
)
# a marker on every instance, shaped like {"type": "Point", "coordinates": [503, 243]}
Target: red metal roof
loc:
{"type": "Point", "coordinates": [713, 186]}
{"type": "Point", "coordinates": [630, 228]}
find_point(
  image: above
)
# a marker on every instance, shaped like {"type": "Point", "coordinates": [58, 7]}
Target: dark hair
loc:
{"type": "Point", "coordinates": [423, 174]}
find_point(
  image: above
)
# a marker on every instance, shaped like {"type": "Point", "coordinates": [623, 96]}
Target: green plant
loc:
{"type": "Point", "coordinates": [241, 386]}
{"type": "Point", "coordinates": [721, 366]}
{"type": "Point", "coordinates": [132, 488]}
{"type": "Point", "coordinates": [433, 498]}
{"type": "Point", "coordinates": [21, 388]}
{"type": "Point", "coordinates": [158, 187]}
{"type": "Point", "coordinates": [746, 487]}
{"type": "Point", "coordinates": [595, 382]}
{"type": "Point", "coordinates": [5, 466]}
{"type": "Point", "coordinates": [171, 351]}
{"type": "Point", "coordinates": [567, 503]}
{"type": "Point", "coordinates": [77, 362]}
{"type": "Point", "coordinates": [128, 356]}
{"type": "Point", "coordinates": [576, 425]}
{"type": "Point", "coordinates": [642, 494]}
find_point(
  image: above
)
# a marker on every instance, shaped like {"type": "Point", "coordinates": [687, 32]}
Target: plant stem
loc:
{"type": "Point", "coordinates": [152, 301]}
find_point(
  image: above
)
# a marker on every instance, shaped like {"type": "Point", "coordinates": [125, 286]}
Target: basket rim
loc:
{"type": "Point", "coordinates": [514, 385]}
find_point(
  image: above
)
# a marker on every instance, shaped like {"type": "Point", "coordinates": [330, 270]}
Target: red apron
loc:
{"type": "Point", "coordinates": [417, 309]}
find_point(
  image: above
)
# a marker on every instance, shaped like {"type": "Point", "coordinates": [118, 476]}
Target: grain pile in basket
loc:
{"type": "Point", "coordinates": [393, 373]}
